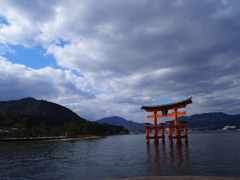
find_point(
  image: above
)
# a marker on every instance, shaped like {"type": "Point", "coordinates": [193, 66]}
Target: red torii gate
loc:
{"type": "Point", "coordinates": [164, 108]}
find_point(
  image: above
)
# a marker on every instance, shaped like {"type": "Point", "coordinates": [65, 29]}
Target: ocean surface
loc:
{"type": "Point", "coordinates": [207, 154]}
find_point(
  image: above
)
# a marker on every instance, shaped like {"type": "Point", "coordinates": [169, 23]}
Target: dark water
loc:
{"type": "Point", "coordinates": [123, 156]}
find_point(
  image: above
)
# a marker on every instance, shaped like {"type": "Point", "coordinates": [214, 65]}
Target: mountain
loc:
{"type": "Point", "coordinates": [211, 121]}
{"type": "Point", "coordinates": [39, 111]}
{"type": "Point", "coordinates": [206, 121]}
{"type": "Point", "coordinates": [130, 125]}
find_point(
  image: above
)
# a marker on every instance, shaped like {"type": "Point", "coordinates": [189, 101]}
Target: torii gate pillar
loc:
{"type": "Point", "coordinates": [164, 108]}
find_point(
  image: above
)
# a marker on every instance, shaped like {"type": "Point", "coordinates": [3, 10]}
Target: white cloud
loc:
{"type": "Point", "coordinates": [130, 52]}
{"type": "Point", "coordinates": [19, 81]}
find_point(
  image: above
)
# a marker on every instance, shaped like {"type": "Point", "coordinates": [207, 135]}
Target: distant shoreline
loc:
{"type": "Point", "coordinates": [55, 138]}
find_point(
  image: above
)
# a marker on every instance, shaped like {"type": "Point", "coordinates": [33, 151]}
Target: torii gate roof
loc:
{"type": "Point", "coordinates": [169, 106]}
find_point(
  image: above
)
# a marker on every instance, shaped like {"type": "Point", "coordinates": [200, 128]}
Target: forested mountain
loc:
{"type": "Point", "coordinates": [206, 121]}
{"type": "Point", "coordinates": [130, 125]}
{"type": "Point", "coordinates": [39, 111]}
{"type": "Point", "coordinates": [29, 117]}
{"type": "Point", "coordinates": [211, 121]}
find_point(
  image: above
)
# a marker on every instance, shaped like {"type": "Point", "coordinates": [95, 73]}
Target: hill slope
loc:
{"type": "Point", "coordinates": [206, 121]}
{"type": "Point", "coordinates": [130, 125]}
{"type": "Point", "coordinates": [39, 111]}
{"type": "Point", "coordinates": [210, 121]}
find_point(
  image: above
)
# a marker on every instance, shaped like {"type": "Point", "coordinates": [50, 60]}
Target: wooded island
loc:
{"type": "Point", "coordinates": [29, 117]}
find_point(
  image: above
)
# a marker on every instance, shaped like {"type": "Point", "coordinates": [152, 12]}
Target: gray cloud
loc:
{"type": "Point", "coordinates": [133, 52]}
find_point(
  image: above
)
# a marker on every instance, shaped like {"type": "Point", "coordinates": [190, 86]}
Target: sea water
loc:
{"type": "Point", "coordinates": [214, 153]}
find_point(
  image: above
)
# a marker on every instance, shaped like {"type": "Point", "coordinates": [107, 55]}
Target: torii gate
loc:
{"type": "Point", "coordinates": [164, 108]}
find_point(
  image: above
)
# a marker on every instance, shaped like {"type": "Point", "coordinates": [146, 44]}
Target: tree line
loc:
{"type": "Point", "coordinates": [20, 127]}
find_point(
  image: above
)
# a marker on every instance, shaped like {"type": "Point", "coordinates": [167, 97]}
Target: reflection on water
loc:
{"type": "Point", "coordinates": [172, 155]}
{"type": "Point", "coordinates": [206, 154]}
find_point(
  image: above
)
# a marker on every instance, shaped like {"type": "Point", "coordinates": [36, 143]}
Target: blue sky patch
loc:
{"type": "Point", "coordinates": [35, 57]}
{"type": "Point", "coordinates": [3, 20]}
{"type": "Point", "coordinates": [62, 43]}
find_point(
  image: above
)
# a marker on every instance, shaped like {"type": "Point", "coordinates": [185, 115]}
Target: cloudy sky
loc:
{"type": "Point", "coordinates": [107, 58]}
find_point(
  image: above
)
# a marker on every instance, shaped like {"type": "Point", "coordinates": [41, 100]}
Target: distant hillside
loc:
{"type": "Point", "coordinates": [39, 111]}
{"type": "Point", "coordinates": [211, 121]}
{"type": "Point", "coordinates": [130, 125]}
{"type": "Point", "coordinates": [206, 121]}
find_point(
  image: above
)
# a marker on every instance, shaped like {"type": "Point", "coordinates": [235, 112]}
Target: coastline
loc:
{"type": "Point", "coordinates": [56, 138]}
